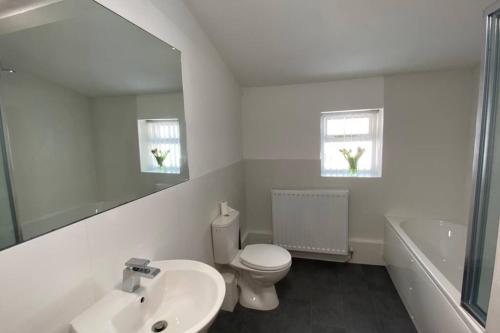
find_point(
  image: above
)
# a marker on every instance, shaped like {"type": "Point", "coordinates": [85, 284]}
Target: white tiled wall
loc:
{"type": "Point", "coordinates": [51, 279]}
{"type": "Point", "coordinates": [46, 280]}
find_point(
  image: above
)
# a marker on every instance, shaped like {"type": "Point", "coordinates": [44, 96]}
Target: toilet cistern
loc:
{"type": "Point", "coordinates": [134, 270]}
{"type": "Point", "coordinates": [259, 266]}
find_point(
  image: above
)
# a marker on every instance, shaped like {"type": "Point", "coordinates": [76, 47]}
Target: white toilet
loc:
{"type": "Point", "coordinates": [260, 266]}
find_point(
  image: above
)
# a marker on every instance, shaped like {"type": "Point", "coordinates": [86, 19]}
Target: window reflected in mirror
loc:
{"type": "Point", "coordinates": [92, 117]}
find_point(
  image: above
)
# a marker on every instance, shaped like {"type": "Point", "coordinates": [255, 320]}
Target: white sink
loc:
{"type": "Point", "coordinates": [186, 294]}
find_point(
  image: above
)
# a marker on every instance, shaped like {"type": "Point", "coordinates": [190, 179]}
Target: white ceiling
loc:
{"type": "Point", "coordinates": [268, 42]}
{"type": "Point", "coordinates": [89, 49]}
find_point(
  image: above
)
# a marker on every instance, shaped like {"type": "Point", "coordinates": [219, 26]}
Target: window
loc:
{"type": "Point", "coordinates": [351, 143]}
{"type": "Point", "coordinates": [159, 145]}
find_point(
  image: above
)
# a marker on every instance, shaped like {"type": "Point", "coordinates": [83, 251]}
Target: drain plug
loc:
{"type": "Point", "coordinates": [159, 326]}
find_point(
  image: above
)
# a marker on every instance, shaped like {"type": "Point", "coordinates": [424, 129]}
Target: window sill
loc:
{"type": "Point", "coordinates": [345, 175]}
{"type": "Point", "coordinates": [353, 177]}
{"type": "Point", "coordinates": [164, 170]}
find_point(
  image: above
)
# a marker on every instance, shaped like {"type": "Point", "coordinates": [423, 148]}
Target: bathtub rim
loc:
{"type": "Point", "coordinates": [450, 292]}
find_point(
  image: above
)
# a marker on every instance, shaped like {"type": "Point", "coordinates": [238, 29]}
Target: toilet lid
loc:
{"type": "Point", "coordinates": [265, 257]}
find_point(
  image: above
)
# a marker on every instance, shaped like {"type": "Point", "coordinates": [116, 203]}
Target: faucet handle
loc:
{"type": "Point", "coordinates": [137, 263]}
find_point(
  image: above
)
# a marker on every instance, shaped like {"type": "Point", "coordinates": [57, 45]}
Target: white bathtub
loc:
{"type": "Point", "coordinates": [425, 261]}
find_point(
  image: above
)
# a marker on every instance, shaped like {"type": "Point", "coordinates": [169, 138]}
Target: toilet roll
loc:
{"type": "Point", "coordinates": [224, 208]}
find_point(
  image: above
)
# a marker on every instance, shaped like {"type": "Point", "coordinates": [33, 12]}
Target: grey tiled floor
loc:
{"type": "Point", "coordinates": [325, 297]}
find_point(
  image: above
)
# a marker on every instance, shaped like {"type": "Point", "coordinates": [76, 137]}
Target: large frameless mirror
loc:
{"type": "Point", "coordinates": [483, 228]}
{"type": "Point", "coordinates": [92, 116]}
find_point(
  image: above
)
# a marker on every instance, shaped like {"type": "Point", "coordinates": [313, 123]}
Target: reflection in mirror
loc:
{"type": "Point", "coordinates": [92, 117]}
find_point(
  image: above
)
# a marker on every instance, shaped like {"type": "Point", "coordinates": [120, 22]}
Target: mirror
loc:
{"type": "Point", "coordinates": [92, 116]}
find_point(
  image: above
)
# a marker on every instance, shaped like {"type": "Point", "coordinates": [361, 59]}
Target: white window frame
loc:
{"type": "Point", "coordinates": [146, 157]}
{"type": "Point", "coordinates": [375, 135]}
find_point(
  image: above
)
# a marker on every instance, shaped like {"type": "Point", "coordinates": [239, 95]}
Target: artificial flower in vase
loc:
{"type": "Point", "coordinates": [160, 156]}
{"type": "Point", "coordinates": [352, 160]}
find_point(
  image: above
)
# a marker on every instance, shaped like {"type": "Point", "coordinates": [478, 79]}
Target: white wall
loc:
{"type": "Point", "coordinates": [282, 122]}
{"type": "Point", "coordinates": [75, 265]}
{"type": "Point", "coordinates": [50, 138]}
{"type": "Point", "coordinates": [116, 147]}
{"type": "Point", "coordinates": [160, 106]}
{"type": "Point", "coordinates": [427, 149]}
{"type": "Point", "coordinates": [428, 142]}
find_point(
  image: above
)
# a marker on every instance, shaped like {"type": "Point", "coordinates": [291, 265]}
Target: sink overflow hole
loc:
{"type": "Point", "coordinates": [159, 326]}
{"type": "Point", "coordinates": [142, 299]}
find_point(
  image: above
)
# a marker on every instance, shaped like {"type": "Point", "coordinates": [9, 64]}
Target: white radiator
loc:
{"type": "Point", "coordinates": [311, 220]}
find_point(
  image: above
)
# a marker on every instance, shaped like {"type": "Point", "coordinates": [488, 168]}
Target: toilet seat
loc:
{"type": "Point", "coordinates": [265, 257]}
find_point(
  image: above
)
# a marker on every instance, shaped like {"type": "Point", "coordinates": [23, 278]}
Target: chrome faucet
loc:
{"type": "Point", "coordinates": [134, 270]}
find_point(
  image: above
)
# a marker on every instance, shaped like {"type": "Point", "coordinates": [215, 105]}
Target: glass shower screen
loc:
{"type": "Point", "coordinates": [483, 229]}
{"type": "Point", "coordinates": [8, 228]}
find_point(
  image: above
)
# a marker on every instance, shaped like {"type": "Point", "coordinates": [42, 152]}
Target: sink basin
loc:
{"type": "Point", "coordinates": [186, 296]}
